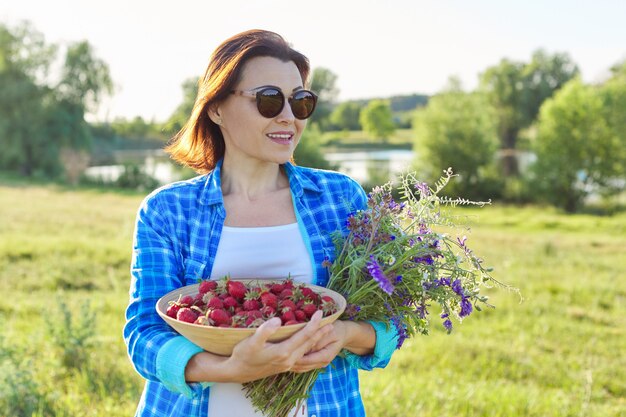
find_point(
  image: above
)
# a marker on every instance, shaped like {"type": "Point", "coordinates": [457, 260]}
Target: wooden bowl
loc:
{"type": "Point", "coordinates": [221, 340]}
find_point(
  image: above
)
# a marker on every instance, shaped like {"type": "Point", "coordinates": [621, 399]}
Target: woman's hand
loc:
{"type": "Point", "coordinates": [254, 358]}
{"type": "Point", "coordinates": [357, 337]}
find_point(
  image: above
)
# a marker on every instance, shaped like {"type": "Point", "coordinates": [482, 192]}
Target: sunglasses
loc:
{"type": "Point", "coordinates": [270, 102]}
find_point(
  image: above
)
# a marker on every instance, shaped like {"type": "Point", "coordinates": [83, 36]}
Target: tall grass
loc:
{"type": "Point", "coordinates": [560, 352]}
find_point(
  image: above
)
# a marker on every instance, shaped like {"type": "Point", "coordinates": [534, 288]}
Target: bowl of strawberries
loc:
{"type": "Point", "coordinates": [218, 314]}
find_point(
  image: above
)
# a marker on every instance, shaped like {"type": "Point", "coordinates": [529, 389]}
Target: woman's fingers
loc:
{"type": "Point", "coordinates": [265, 331]}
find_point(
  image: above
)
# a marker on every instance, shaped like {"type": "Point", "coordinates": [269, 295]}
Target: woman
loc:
{"type": "Point", "coordinates": [251, 214]}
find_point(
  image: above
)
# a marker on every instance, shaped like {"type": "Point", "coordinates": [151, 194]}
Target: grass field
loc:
{"type": "Point", "coordinates": [64, 258]}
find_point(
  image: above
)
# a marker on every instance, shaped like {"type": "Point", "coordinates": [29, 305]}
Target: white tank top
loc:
{"type": "Point", "coordinates": [256, 252]}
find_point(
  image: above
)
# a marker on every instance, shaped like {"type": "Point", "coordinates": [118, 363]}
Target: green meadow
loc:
{"type": "Point", "coordinates": [561, 351]}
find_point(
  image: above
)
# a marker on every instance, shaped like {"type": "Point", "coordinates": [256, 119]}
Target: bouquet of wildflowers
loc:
{"type": "Point", "coordinates": [395, 265]}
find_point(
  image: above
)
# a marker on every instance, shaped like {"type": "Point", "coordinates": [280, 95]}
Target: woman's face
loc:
{"type": "Point", "coordinates": [250, 137]}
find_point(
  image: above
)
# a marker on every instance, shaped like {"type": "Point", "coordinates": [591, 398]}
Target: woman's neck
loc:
{"type": "Point", "coordinates": [252, 180]}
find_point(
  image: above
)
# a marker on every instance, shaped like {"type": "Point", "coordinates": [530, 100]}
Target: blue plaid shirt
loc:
{"type": "Point", "coordinates": [176, 237]}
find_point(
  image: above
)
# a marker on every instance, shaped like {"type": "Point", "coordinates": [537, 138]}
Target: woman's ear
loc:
{"type": "Point", "coordinates": [214, 115]}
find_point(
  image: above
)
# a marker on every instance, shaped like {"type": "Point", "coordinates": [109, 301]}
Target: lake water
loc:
{"type": "Point", "coordinates": [374, 166]}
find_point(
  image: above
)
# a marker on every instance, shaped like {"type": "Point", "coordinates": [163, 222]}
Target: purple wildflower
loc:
{"type": "Point", "coordinates": [447, 324]}
{"type": "Point", "coordinates": [423, 188]}
{"type": "Point", "coordinates": [402, 334]}
{"type": "Point", "coordinates": [457, 287]}
{"type": "Point", "coordinates": [466, 307]}
{"type": "Point", "coordinates": [399, 278]}
{"type": "Point", "coordinates": [421, 310]}
{"type": "Point", "coordinates": [426, 260]}
{"type": "Point", "coordinates": [352, 310]}
{"type": "Point", "coordinates": [376, 272]}
{"type": "Point", "coordinates": [444, 281]}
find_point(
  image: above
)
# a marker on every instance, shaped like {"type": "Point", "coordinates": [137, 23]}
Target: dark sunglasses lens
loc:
{"type": "Point", "coordinates": [270, 102]}
{"type": "Point", "coordinates": [303, 104]}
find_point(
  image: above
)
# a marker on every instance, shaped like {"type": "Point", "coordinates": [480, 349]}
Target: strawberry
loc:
{"type": "Point", "coordinates": [290, 322]}
{"type": "Point", "coordinates": [198, 300]}
{"type": "Point", "coordinates": [287, 304]}
{"type": "Point", "coordinates": [251, 305]}
{"type": "Point", "coordinates": [256, 322]}
{"type": "Point", "coordinates": [236, 289]}
{"type": "Point", "coordinates": [186, 301]}
{"type": "Point", "coordinates": [219, 317]}
{"type": "Point", "coordinates": [309, 309]}
{"type": "Point", "coordinates": [172, 310]}
{"type": "Point", "coordinates": [300, 315]}
{"type": "Point", "coordinates": [288, 316]}
{"type": "Point", "coordinates": [187, 315]}
{"type": "Point", "coordinates": [277, 288]}
{"type": "Point", "coordinates": [230, 302]}
{"type": "Point", "coordinates": [288, 283]}
{"type": "Point", "coordinates": [255, 313]}
{"type": "Point", "coordinates": [308, 294]}
{"type": "Point", "coordinates": [215, 302]}
{"type": "Point", "coordinates": [206, 286]}
{"type": "Point", "coordinates": [328, 305]}
{"type": "Point", "coordinates": [286, 293]}
{"type": "Point", "coordinates": [268, 311]}
{"type": "Point", "coordinates": [269, 299]}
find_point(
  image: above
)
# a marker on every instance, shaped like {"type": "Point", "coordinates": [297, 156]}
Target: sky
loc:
{"type": "Point", "coordinates": [376, 48]}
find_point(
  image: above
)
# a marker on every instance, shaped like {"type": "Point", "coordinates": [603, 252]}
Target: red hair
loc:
{"type": "Point", "coordinates": [200, 143]}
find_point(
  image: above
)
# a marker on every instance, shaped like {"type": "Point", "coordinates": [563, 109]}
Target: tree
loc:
{"type": "Point", "coordinates": [577, 150]}
{"type": "Point", "coordinates": [178, 119]}
{"type": "Point", "coordinates": [346, 116]}
{"type": "Point", "coordinates": [308, 152]}
{"type": "Point", "coordinates": [38, 118]}
{"type": "Point", "coordinates": [24, 60]}
{"type": "Point", "coordinates": [85, 79]}
{"type": "Point", "coordinates": [323, 83]}
{"type": "Point", "coordinates": [516, 90]}
{"type": "Point", "coordinates": [377, 120]}
{"type": "Point", "coordinates": [458, 130]}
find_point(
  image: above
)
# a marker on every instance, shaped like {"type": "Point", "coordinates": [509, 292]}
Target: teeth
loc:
{"type": "Point", "coordinates": [271, 135]}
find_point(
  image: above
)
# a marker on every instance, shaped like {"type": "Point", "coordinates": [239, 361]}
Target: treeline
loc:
{"type": "Point", "coordinates": [530, 132]}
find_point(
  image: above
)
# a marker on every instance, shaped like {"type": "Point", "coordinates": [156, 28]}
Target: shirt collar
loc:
{"type": "Point", "coordinates": [212, 193]}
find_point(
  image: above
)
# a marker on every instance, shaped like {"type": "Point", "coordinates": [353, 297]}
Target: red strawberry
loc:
{"type": "Point", "coordinates": [236, 289]}
{"type": "Point", "coordinates": [220, 317]}
{"type": "Point", "coordinates": [251, 305]}
{"type": "Point", "coordinates": [186, 301]}
{"type": "Point", "coordinates": [308, 293]}
{"type": "Point", "coordinates": [172, 310]}
{"type": "Point", "coordinates": [277, 288]}
{"type": "Point", "coordinates": [230, 302]}
{"type": "Point", "coordinates": [206, 286]}
{"type": "Point", "coordinates": [215, 302]}
{"type": "Point", "coordinates": [309, 309]}
{"type": "Point", "coordinates": [288, 283]}
{"type": "Point", "coordinates": [328, 305]}
{"type": "Point", "coordinates": [268, 311]}
{"type": "Point", "coordinates": [290, 322]}
{"type": "Point", "coordinates": [198, 300]}
{"type": "Point", "coordinates": [255, 313]}
{"type": "Point", "coordinates": [269, 299]}
{"type": "Point", "coordinates": [286, 293]}
{"type": "Point", "coordinates": [287, 304]}
{"type": "Point", "coordinates": [187, 315]}
{"type": "Point", "coordinates": [300, 315]}
{"type": "Point", "coordinates": [288, 316]}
